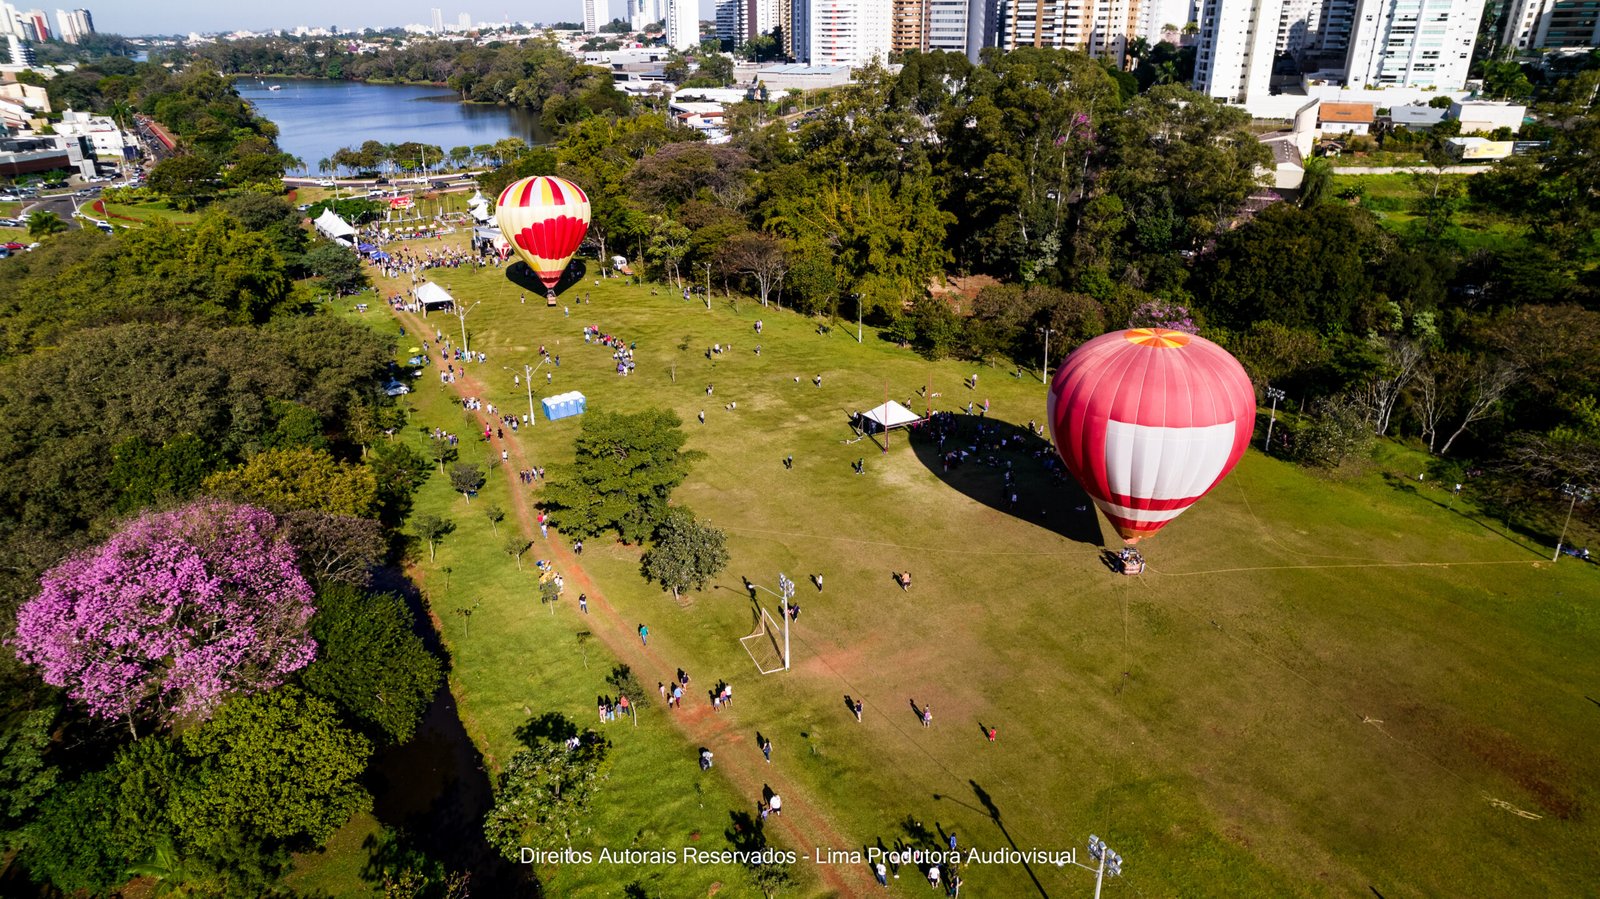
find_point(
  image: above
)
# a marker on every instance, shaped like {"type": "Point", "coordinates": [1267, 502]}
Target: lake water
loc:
{"type": "Point", "coordinates": [316, 118]}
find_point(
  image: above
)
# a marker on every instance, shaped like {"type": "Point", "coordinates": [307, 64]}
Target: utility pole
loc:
{"type": "Point", "coordinates": [1578, 494]}
{"type": "Point", "coordinates": [1275, 395]}
{"type": "Point", "coordinates": [527, 381]}
{"type": "Point", "coordinates": [858, 316]}
{"type": "Point", "coordinates": [1047, 332]}
{"type": "Point", "coordinates": [461, 313]}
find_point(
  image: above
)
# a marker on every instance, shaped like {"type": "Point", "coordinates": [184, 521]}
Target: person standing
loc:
{"type": "Point", "coordinates": [927, 716]}
{"type": "Point", "coordinates": [952, 841]}
{"type": "Point", "coordinates": [583, 606]}
{"type": "Point", "coordinates": [858, 711]}
{"type": "Point", "coordinates": [644, 635]}
{"type": "Point", "coordinates": [882, 873]}
{"type": "Point", "coordinates": [766, 749]}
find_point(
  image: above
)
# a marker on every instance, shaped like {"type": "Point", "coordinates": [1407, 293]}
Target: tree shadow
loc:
{"type": "Point", "coordinates": [746, 832]}
{"type": "Point", "coordinates": [520, 274]}
{"type": "Point", "coordinates": [551, 727]}
{"type": "Point", "coordinates": [1047, 495]}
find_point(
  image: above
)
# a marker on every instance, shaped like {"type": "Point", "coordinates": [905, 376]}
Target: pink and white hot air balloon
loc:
{"type": "Point", "coordinates": [1149, 420]}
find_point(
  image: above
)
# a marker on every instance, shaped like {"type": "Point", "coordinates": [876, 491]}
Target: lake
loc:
{"type": "Point", "coordinates": [316, 118]}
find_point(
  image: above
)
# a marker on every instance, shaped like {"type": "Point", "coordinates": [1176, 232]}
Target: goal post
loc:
{"type": "Point", "coordinates": [767, 646]}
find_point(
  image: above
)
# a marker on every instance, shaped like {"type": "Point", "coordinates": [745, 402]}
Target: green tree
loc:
{"type": "Point", "coordinates": [465, 479]}
{"type": "Point", "coordinates": [441, 450]}
{"type": "Point", "coordinates": [686, 553]}
{"type": "Point", "coordinates": [189, 180]}
{"type": "Point", "coordinates": [143, 474]}
{"type": "Point", "coordinates": [45, 224]}
{"type": "Point", "coordinates": [26, 778]}
{"type": "Point", "coordinates": [73, 844]}
{"type": "Point", "coordinates": [275, 766]}
{"type": "Point", "coordinates": [624, 471]}
{"type": "Point", "coordinates": [544, 794]}
{"type": "Point", "coordinates": [338, 267]}
{"type": "Point", "coordinates": [515, 545]}
{"type": "Point", "coordinates": [432, 529]}
{"type": "Point", "coordinates": [371, 663]}
{"type": "Point", "coordinates": [300, 478]}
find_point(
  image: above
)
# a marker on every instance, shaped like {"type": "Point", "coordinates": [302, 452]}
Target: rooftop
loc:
{"type": "Point", "coordinates": [1353, 113]}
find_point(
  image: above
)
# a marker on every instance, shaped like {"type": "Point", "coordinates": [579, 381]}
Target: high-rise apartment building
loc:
{"type": "Point", "coordinates": [438, 20]}
{"type": "Point", "coordinates": [643, 13]}
{"type": "Point", "coordinates": [846, 32]}
{"type": "Point", "coordinates": [596, 13]}
{"type": "Point", "coordinates": [464, 21]}
{"type": "Point", "coordinates": [1412, 43]}
{"type": "Point", "coordinates": [945, 25]}
{"type": "Point", "coordinates": [1540, 24]}
{"type": "Point", "coordinates": [908, 25]}
{"type": "Point", "coordinates": [1425, 44]}
{"type": "Point", "coordinates": [683, 24]}
{"type": "Point", "coordinates": [73, 26]}
{"type": "Point", "coordinates": [1101, 28]}
{"type": "Point", "coordinates": [800, 30]}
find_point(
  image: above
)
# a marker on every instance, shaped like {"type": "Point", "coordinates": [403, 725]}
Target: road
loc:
{"type": "Point", "coordinates": [1408, 169]}
{"type": "Point", "coordinates": [60, 204]}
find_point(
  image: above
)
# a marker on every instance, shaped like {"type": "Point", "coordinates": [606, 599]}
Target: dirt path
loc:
{"type": "Point", "coordinates": [803, 826]}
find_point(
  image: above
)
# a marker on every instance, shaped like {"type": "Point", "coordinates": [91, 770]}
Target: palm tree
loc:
{"type": "Point", "coordinates": [324, 165]}
{"type": "Point", "coordinates": [44, 224]}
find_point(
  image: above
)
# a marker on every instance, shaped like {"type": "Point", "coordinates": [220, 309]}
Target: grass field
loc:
{"type": "Point", "coordinates": [1320, 687]}
{"type": "Point", "coordinates": [126, 214]}
{"type": "Point", "coordinates": [1394, 199]}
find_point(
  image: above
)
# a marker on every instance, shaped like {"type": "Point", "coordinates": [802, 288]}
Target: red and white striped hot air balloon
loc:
{"type": "Point", "coordinates": [1149, 420]}
{"type": "Point", "coordinates": [545, 219]}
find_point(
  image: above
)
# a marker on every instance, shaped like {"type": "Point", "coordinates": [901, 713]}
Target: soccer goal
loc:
{"type": "Point", "coordinates": [767, 645]}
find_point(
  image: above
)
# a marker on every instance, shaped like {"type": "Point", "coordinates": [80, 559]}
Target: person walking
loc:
{"type": "Point", "coordinates": [857, 710]}
{"type": "Point", "coordinates": [766, 749]}
{"type": "Point", "coordinates": [583, 606]}
{"type": "Point", "coordinates": [952, 841]}
{"type": "Point", "coordinates": [819, 582]}
{"type": "Point", "coordinates": [644, 635]}
{"type": "Point", "coordinates": [882, 873]}
{"type": "Point", "coordinates": [927, 716]}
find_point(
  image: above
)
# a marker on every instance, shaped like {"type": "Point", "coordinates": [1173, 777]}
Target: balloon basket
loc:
{"type": "Point", "coordinates": [1130, 562]}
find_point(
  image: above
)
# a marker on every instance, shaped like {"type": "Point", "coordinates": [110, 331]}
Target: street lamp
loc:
{"type": "Point", "coordinates": [1110, 862]}
{"type": "Point", "coordinates": [1275, 395]}
{"type": "Point", "coordinates": [857, 298]}
{"type": "Point", "coordinates": [1578, 494]}
{"type": "Point", "coordinates": [527, 381]}
{"type": "Point", "coordinates": [1045, 377]}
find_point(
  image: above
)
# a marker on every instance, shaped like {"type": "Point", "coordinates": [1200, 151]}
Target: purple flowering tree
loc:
{"type": "Point", "coordinates": [1161, 314]}
{"type": "Point", "coordinates": [176, 612]}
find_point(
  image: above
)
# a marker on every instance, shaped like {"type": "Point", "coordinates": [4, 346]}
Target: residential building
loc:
{"type": "Point", "coordinates": [785, 26]}
{"type": "Point", "coordinates": [20, 53]}
{"type": "Point", "coordinates": [596, 14]}
{"type": "Point", "coordinates": [1102, 28]}
{"type": "Point", "coordinates": [1542, 24]}
{"type": "Point", "coordinates": [1238, 42]}
{"type": "Point", "coordinates": [1111, 25]}
{"type": "Point", "coordinates": [438, 20]}
{"type": "Point", "coordinates": [908, 25]}
{"type": "Point", "coordinates": [1416, 117]}
{"type": "Point", "coordinates": [1483, 116]}
{"type": "Point", "coordinates": [683, 24]}
{"type": "Point", "coordinates": [1412, 43]}
{"type": "Point", "coordinates": [644, 13]}
{"type": "Point", "coordinates": [846, 32]}
{"type": "Point", "coordinates": [1346, 118]}
{"type": "Point", "coordinates": [731, 22]}
{"type": "Point", "coordinates": [464, 21]}
{"type": "Point", "coordinates": [946, 24]}
{"type": "Point", "coordinates": [799, 39]}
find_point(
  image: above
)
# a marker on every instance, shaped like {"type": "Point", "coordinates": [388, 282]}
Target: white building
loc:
{"type": "Point", "coordinates": [73, 26]}
{"type": "Point", "coordinates": [100, 132]}
{"type": "Point", "coordinates": [464, 21]}
{"type": "Point", "coordinates": [847, 32]}
{"type": "Point", "coordinates": [1238, 41]}
{"type": "Point", "coordinates": [947, 24]}
{"type": "Point", "coordinates": [1482, 116]}
{"type": "Point", "coordinates": [596, 13]}
{"type": "Point", "coordinates": [683, 24]}
{"type": "Point", "coordinates": [642, 13]}
{"type": "Point", "coordinates": [438, 21]}
{"type": "Point", "coordinates": [1538, 24]}
{"type": "Point", "coordinates": [1101, 28]}
{"type": "Point", "coordinates": [1412, 43]}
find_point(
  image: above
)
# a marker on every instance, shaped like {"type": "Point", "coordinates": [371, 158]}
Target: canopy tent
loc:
{"type": "Point", "coordinates": [488, 237]}
{"type": "Point", "coordinates": [431, 296]}
{"type": "Point", "coordinates": [891, 415]}
{"type": "Point", "coordinates": [478, 206]}
{"type": "Point", "coordinates": [335, 228]}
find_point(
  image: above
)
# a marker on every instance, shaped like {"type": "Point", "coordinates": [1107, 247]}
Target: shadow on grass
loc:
{"type": "Point", "coordinates": [1051, 501]}
{"type": "Point", "coordinates": [520, 274]}
{"type": "Point", "coordinates": [1515, 534]}
{"type": "Point", "coordinates": [993, 811]}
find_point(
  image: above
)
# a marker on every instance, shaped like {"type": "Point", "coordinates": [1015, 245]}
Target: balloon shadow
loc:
{"type": "Point", "coordinates": [976, 463]}
{"type": "Point", "coordinates": [520, 274]}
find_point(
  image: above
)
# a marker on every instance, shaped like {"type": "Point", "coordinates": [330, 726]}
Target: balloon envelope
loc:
{"type": "Point", "coordinates": [545, 219]}
{"type": "Point", "coordinates": [1149, 420]}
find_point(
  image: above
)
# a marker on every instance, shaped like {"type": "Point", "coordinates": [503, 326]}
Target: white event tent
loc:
{"type": "Point", "coordinates": [335, 228]}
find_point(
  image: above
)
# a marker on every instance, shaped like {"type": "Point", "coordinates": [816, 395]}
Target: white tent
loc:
{"type": "Point", "coordinates": [478, 206]}
{"type": "Point", "coordinates": [891, 415]}
{"type": "Point", "coordinates": [432, 296]}
{"type": "Point", "coordinates": [335, 228]}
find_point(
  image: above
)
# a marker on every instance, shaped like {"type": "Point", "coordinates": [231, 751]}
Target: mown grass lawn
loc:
{"type": "Point", "coordinates": [1322, 686]}
{"type": "Point", "coordinates": [1394, 199]}
{"type": "Point", "coordinates": [138, 214]}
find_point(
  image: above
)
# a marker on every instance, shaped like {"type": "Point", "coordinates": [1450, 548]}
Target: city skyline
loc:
{"type": "Point", "coordinates": [182, 16]}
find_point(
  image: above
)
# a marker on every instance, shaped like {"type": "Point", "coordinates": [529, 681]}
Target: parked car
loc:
{"type": "Point", "coordinates": [13, 245]}
{"type": "Point", "coordinates": [326, 182]}
{"type": "Point", "coordinates": [395, 388]}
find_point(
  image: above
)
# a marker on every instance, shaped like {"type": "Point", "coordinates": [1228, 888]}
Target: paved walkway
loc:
{"type": "Point", "coordinates": [803, 825]}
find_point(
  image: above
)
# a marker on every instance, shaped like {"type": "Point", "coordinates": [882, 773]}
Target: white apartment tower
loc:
{"type": "Point", "coordinates": [464, 21]}
{"type": "Point", "coordinates": [847, 32]}
{"type": "Point", "coordinates": [438, 20]}
{"type": "Point", "coordinates": [1538, 24]}
{"type": "Point", "coordinates": [947, 24]}
{"type": "Point", "coordinates": [1238, 40]}
{"type": "Point", "coordinates": [642, 13]}
{"type": "Point", "coordinates": [74, 26]}
{"type": "Point", "coordinates": [595, 14]}
{"type": "Point", "coordinates": [683, 24]}
{"type": "Point", "coordinates": [1412, 43]}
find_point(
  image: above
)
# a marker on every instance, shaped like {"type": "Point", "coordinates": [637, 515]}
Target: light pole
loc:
{"type": "Point", "coordinates": [1110, 862]}
{"type": "Point", "coordinates": [857, 298]}
{"type": "Point", "coordinates": [527, 380]}
{"type": "Point", "coordinates": [1578, 494]}
{"type": "Point", "coordinates": [461, 313]}
{"type": "Point", "coordinates": [1275, 395]}
{"type": "Point", "coordinates": [1045, 376]}
{"type": "Point", "coordinates": [786, 588]}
